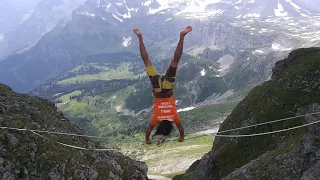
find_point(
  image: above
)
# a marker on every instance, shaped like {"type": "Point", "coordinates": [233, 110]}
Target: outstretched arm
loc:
{"type": "Point", "coordinates": [149, 130]}
{"type": "Point", "coordinates": [143, 51]}
{"type": "Point", "coordinates": [179, 49]}
{"type": "Point", "coordinates": [181, 131]}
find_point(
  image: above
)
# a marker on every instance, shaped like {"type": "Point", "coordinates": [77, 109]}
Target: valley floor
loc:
{"type": "Point", "coordinates": [172, 157]}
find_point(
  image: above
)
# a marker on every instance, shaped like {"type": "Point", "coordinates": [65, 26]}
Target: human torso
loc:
{"type": "Point", "coordinates": [165, 109]}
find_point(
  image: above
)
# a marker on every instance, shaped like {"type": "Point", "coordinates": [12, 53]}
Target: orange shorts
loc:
{"type": "Point", "coordinates": [164, 109]}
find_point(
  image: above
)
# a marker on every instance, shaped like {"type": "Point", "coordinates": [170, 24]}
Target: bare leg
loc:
{"type": "Point", "coordinates": [143, 51]}
{"type": "Point", "coordinates": [179, 49]}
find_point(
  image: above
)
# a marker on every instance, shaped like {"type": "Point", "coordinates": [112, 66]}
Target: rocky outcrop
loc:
{"type": "Point", "coordinates": [289, 161]}
{"type": "Point", "coordinates": [293, 90]}
{"type": "Point", "coordinates": [25, 155]}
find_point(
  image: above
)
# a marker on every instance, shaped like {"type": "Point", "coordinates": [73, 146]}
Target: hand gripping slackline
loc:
{"type": "Point", "coordinates": [218, 134]}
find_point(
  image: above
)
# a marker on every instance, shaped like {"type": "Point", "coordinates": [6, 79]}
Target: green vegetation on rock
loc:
{"type": "Point", "coordinates": [27, 155]}
{"type": "Point", "coordinates": [293, 88]}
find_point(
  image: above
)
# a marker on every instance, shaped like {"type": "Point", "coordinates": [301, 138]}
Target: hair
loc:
{"type": "Point", "coordinates": [164, 128]}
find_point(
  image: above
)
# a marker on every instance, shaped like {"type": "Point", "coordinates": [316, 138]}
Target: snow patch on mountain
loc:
{"type": "Point", "coordinates": [186, 109]}
{"type": "Point", "coordinates": [25, 17]}
{"type": "Point", "coordinates": [279, 11]}
{"type": "Point", "coordinates": [225, 62]}
{"type": "Point", "coordinates": [127, 14]}
{"type": "Point", "coordinates": [147, 3]}
{"type": "Point", "coordinates": [116, 17]}
{"type": "Point", "coordinates": [315, 39]}
{"type": "Point", "coordinates": [1, 37]}
{"type": "Point", "coordinates": [126, 41]}
{"type": "Point", "coordinates": [263, 30]}
{"type": "Point", "coordinates": [293, 4]}
{"type": "Point", "coordinates": [200, 6]}
{"type": "Point", "coordinates": [202, 9]}
{"type": "Point", "coordinates": [203, 72]}
{"type": "Point", "coordinates": [258, 52]}
{"type": "Point", "coordinates": [278, 47]}
{"type": "Point", "coordinates": [108, 6]}
{"type": "Point", "coordinates": [154, 11]}
{"type": "Point", "coordinates": [86, 14]}
{"type": "Point", "coordinates": [251, 15]}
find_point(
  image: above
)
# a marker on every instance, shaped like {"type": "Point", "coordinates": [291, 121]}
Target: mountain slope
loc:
{"type": "Point", "coordinates": [44, 17]}
{"type": "Point", "coordinates": [312, 4]}
{"type": "Point", "coordinates": [66, 46]}
{"type": "Point", "coordinates": [269, 9]}
{"type": "Point", "coordinates": [12, 12]}
{"type": "Point", "coordinates": [218, 8]}
{"type": "Point", "coordinates": [106, 26]}
{"type": "Point", "coordinates": [293, 90]}
{"type": "Point", "coordinates": [25, 155]}
{"type": "Point", "coordinates": [118, 93]}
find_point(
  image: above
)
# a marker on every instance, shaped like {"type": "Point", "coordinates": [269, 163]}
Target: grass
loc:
{"type": "Point", "coordinates": [104, 119]}
{"type": "Point", "coordinates": [105, 72]}
{"type": "Point", "coordinates": [172, 158]}
{"type": "Point", "coordinates": [235, 155]}
{"type": "Point", "coordinates": [272, 100]}
{"type": "Point", "coordinates": [5, 90]}
{"type": "Point", "coordinates": [46, 154]}
{"type": "Point", "coordinates": [66, 98]}
{"type": "Point", "coordinates": [174, 174]}
{"type": "Point", "coordinates": [98, 113]}
{"type": "Point", "coordinates": [92, 65]}
{"type": "Point", "coordinates": [109, 75]}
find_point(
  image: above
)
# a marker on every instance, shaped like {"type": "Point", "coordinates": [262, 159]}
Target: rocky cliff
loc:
{"type": "Point", "coordinates": [25, 155]}
{"type": "Point", "coordinates": [294, 89]}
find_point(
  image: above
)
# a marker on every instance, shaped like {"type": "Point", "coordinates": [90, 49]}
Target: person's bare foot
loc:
{"type": "Point", "coordinates": [186, 31]}
{"type": "Point", "coordinates": [137, 32]}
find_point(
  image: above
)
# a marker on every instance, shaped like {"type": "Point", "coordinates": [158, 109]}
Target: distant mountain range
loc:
{"type": "Point", "coordinates": [12, 12]}
{"type": "Point", "coordinates": [101, 26]}
{"type": "Point", "coordinates": [33, 23]}
{"type": "Point", "coordinates": [226, 8]}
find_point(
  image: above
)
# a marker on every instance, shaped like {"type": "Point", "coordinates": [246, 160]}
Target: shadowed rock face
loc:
{"type": "Point", "coordinates": [293, 90]}
{"type": "Point", "coordinates": [24, 155]}
{"type": "Point", "coordinates": [301, 162]}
